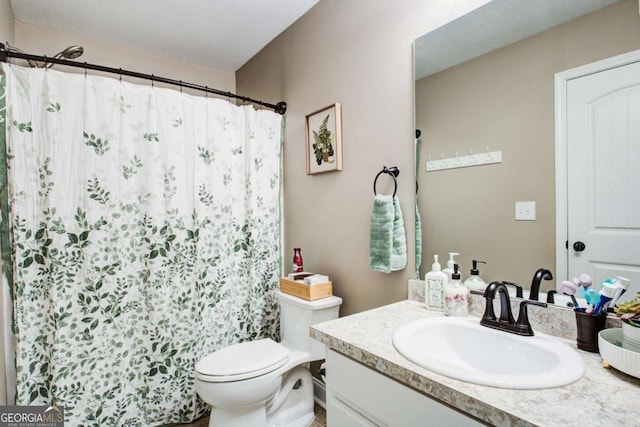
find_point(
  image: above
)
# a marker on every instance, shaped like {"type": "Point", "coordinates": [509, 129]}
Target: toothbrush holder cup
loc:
{"type": "Point", "coordinates": [588, 327]}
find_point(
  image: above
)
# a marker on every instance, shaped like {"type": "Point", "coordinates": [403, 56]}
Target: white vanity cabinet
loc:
{"type": "Point", "coordinates": [360, 396]}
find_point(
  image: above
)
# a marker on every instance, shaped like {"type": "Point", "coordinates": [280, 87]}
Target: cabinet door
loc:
{"type": "Point", "coordinates": [339, 414]}
{"type": "Point", "coordinates": [360, 396]}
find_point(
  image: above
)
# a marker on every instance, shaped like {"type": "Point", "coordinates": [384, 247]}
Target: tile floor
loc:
{"type": "Point", "coordinates": [320, 421]}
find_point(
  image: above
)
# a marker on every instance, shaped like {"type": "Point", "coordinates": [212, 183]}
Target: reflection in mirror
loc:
{"type": "Point", "coordinates": [499, 96]}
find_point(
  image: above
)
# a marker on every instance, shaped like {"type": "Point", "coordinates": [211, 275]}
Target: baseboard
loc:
{"type": "Point", "coordinates": [320, 392]}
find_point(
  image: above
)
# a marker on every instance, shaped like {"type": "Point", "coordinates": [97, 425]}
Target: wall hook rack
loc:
{"type": "Point", "coordinates": [480, 159]}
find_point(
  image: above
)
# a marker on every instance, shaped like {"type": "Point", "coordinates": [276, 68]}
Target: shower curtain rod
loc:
{"type": "Point", "coordinates": [280, 107]}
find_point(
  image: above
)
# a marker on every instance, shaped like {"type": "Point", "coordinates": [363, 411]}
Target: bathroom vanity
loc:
{"type": "Point", "coordinates": [370, 383]}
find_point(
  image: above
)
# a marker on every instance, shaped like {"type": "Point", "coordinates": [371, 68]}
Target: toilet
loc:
{"type": "Point", "coordinates": [264, 383]}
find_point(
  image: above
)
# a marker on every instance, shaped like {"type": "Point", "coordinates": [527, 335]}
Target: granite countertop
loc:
{"type": "Point", "coordinates": [602, 397]}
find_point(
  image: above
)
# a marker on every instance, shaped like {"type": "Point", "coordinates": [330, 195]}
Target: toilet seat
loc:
{"type": "Point", "coordinates": [242, 361]}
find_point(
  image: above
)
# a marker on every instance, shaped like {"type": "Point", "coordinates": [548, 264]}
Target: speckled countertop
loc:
{"type": "Point", "coordinates": [603, 397]}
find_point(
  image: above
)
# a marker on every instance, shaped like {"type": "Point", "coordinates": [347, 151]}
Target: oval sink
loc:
{"type": "Point", "coordinates": [458, 347]}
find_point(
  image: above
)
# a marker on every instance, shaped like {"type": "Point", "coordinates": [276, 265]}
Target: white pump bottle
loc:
{"type": "Point", "coordinates": [449, 270]}
{"type": "Point", "coordinates": [435, 282]}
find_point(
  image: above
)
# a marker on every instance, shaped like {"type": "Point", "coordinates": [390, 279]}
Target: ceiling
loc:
{"type": "Point", "coordinates": [223, 34]}
{"type": "Point", "coordinates": [496, 24]}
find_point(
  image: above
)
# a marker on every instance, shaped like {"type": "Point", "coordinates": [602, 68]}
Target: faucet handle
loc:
{"type": "Point", "coordinates": [519, 293]}
{"type": "Point", "coordinates": [532, 302]}
{"type": "Point", "coordinates": [523, 316]}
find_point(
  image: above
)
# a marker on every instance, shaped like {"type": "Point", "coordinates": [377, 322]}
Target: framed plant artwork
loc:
{"type": "Point", "coordinates": [324, 140]}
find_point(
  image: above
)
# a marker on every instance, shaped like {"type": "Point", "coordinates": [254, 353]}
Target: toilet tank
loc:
{"type": "Point", "coordinates": [297, 314]}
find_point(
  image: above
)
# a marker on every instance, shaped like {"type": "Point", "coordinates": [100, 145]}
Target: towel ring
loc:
{"type": "Point", "coordinates": [393, 171]}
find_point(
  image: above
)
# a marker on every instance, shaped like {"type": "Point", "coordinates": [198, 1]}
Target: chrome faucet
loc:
{"type": "Point", "coordinates": [541, 273]}
{"type": "Point", "coordinates": [506, 322]}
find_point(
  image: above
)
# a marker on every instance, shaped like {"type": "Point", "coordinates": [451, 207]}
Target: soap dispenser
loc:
{"type": "Point", "coordinates": [434, 282]}
{"type": "Point", "coordinates": [474, 282]}
{"type": "Point", "coordinates": [449, 270]}
{"type": "Point", "coordinates": [456, 296]}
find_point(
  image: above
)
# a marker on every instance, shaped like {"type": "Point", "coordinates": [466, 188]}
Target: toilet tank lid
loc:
{"type": "Point", "coordinates": [243, 358]}
{"type": "Point", "coordinates": [317, 304]}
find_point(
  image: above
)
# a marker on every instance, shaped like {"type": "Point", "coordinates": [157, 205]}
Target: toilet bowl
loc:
{"type": "Point", "coordinates": [265, 383]}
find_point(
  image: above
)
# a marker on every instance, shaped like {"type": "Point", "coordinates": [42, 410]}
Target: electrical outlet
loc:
{"type": "Point", "coordinates": [525, 211]}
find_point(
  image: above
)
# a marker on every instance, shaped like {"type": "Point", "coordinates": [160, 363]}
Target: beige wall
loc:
{"type": "Point", "coordinates": [46, 41]}
{"type": "Point", "coordinates": [360, 55]}
{"type": "Point", "coordinates": [505, 100]}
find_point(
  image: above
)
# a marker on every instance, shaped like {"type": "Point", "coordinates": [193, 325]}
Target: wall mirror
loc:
{"type": "Point", "coordinates": [484, 83]}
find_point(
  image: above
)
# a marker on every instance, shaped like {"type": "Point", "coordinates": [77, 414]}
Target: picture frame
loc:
{"type": "Point", "coordinates": [324, 140]}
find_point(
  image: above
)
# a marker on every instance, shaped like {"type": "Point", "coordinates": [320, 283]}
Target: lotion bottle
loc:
{"type": "Point", "coordinates": [449, 270]}
{"type": "Point", "coordinates": [456, 296]}
{"type": "Point", "coordinates": [474, 282]}
{"type": "Point", "coordinates": [435, 281]}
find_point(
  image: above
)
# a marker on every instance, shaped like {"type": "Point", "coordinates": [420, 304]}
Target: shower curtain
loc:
{"type": "Point", "coordinates": [144, 231]}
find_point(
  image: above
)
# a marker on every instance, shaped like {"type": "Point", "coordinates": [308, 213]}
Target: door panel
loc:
{"type": "Point", "coordinates": [603, 156]}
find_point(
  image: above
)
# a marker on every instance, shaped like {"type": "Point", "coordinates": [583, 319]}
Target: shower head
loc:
{"type": "Point", "coordinates": [72, 52]}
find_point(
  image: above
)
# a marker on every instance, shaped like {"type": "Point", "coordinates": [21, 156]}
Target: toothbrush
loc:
{"type": "Point", "coordinates": [567, 287]}
{"type": "Point", "coordinates": [585, 282]}
{"type": "Point", "coordinates": [592, 297]}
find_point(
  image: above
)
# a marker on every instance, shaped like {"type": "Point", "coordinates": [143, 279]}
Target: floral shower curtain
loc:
{"type": "Point", "coordinates": [145, 234]}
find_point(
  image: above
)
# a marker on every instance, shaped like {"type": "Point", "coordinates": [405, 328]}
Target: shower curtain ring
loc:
{"type": "Point", "coordinates": [206, 92]}
{"type": "Point", "coordinates": [152, 77]}
{"type": "Point", "coordinates": [85, 68]}
{"type": "Point", "coordinates": [120, 75]}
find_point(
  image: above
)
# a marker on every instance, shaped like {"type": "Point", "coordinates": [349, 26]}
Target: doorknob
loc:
{"type": "Point", "coordinates": [579, 246]}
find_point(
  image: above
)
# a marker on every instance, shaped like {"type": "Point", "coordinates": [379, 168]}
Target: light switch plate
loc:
{"type": "Point", "coordinates": [525, 211]}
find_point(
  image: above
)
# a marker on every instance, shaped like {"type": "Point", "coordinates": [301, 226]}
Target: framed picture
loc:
{"type": "Point", "coordinates": [324, 140]}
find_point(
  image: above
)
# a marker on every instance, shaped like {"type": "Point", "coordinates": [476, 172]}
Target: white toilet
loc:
{"type": "Point", "coordinates": [265, 383]}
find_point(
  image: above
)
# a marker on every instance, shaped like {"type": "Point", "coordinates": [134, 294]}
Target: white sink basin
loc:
{"type": "Point", "coordinates": [458, 347]}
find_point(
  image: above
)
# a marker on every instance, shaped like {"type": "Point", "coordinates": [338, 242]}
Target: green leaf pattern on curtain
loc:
{"type": "Point", "coordinates": [146, 234]}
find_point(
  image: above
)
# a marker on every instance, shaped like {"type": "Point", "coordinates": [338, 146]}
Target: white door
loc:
{"type": "Point", "coordinates": [603, 175]}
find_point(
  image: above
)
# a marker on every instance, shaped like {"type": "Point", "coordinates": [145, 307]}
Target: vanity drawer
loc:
{"type": "Point", "coordinates": [358, 395]}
